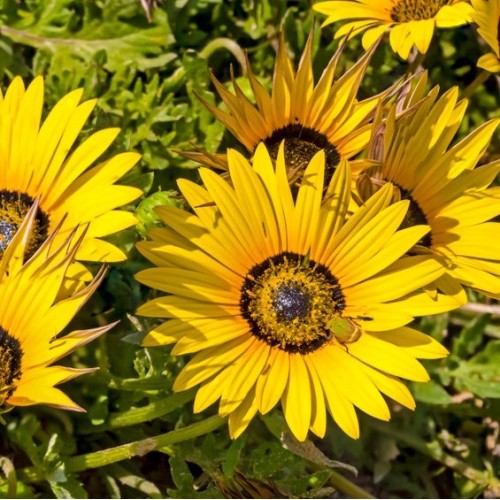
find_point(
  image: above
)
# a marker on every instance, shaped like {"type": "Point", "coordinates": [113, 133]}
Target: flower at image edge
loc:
{"type": "Point", "coordinates": [486, 15]}
{"type": "Point", "coordinates": [291, 301]}
{"type": "Point", "coordinates": [445, 187]}
{"type": "Point", "coordinates": [31, 317]}
{"type": "Point", "coordinates": [40, 160]}
{"type": "Point", "coordinates": [411, 22]}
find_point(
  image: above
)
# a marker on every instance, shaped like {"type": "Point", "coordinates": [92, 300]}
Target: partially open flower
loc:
{"type": "Point", "coordinates": [32, 318]}
{"type": "Point", "coordinates": [308, 117]}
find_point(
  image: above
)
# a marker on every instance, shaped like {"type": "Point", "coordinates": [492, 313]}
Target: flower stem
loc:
{"type": "Point", "coordinates": [7, 467]}
{"type": "Point", "coordinates": [479, 308]}
{"type": "Point", "coordinates": [343, 484]}
{"type": "Point", "coordinates": [482, 478]}
{"type": "Point", "coordinates": [228, 44]}
{"type": "Point", "coordinates": [143, 414]}
{"type": "Point", "coordinates": [479, 80]}
{"type": "Point", "coordinates": [129, 450]}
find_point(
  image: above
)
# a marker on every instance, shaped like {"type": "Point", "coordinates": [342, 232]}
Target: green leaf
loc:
{"type": "Point", "coordinates": [431, 393]}
{"type": "Point", "coordinates": [232, 455]}
{"type": "Point", "coordinates": [49, 28]}
{"type": "Point", "coordinates": [481, 374]}
{"type": "Point", "coordinates": [471, 336]}
{"type": "Point", "coordinates": [99, 411]}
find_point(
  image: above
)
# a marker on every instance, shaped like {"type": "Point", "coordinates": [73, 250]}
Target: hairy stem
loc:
{"type": "Point", "coordinates": [228, 44]}
{"type": "Point", "coordinates": [146, 413]}
{"type": "Point", "coordinates": [479, 80]}
{"type": "Point", "coordinates": [129, 450]}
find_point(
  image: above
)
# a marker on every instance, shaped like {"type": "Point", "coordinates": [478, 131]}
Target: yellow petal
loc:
{"type": "Point", "coordinates": [387, 357]}
{"type": "Point", "coordinates": [242, 416]}
{"type": "Point", "coordinates": [296, 399]}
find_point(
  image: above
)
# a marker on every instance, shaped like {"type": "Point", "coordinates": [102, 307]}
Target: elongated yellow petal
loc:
{"type": "Point", "coordinates": [389, 359]}
{"type": "Point", "coordinates": [273, 381]}
{"type": "Point", "coordinates": [242, 416]}
{"type": "Point", "coordinates": [204, 365]}
{"type": "Point", "coordinates": [244, 374]}
{"type": "Point", "coordinates": [296, 399]}
{"type": "Point", "coordinates": [318, 416]}
{"type": "Point", "coordinates": [338, 405]}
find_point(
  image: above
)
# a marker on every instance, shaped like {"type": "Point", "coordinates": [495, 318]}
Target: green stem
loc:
{"type": "Point", "coordinates": [8, 469]}
{"type": "Point", "coordinates": [143, 414]}
{"type": "Point", "coordinates": [129, 450]}
{"type": "Point", "coordinates": [482, 478]}
{"type": "Point", "coordinates": [137, 384]}
{"type": "Point", "coordinates": [343, 484]}
{"type": "Point", "coordinates": [479, 80]}
{"type": "Point", "coordinates": [224, 43]}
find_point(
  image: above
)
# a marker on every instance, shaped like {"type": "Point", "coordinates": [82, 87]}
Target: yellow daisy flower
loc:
{"type": "Point", "coordinates": [486, 15]}
{"type": "Point", "coordinates": [41, 160]}
{"type": "Point", "coordinates": [31, 318]}
{"type": "Point", "coordinates": [443, 186]}
{"type": "Point", "coordinates": [290, 300]}
{"type": "Point", "coordinates": [306, 116]}
{"type": "Point", "coordinates": [411, 22]}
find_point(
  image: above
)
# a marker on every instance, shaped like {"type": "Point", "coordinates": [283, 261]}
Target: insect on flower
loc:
{"type": "Point", "coordinates": [346, 330]}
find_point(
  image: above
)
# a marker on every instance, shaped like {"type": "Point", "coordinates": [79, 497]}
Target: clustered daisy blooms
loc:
{"type": "Point", "coordinates": [298, 289]}
{"type": "Point", "coordinates": [42, 160]}
{"type": "Point", "coordinates": [32, 317]}
{"type": "Point", "coordinates": [291, 301]}
{"type": "Point", "coordinates": [291, 279]}
{"type": "Point", "coordinates": [409, 22]}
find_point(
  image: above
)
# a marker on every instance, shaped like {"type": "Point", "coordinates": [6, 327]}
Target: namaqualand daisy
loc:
{"type": "Point", "coordinates": [409, 22]}
{"type": "Point", "coordinates": [307, 116]}
{"type": "Point", "coordinates": [446, 188]}
{"type": "Point", "coordinates": [44, 160]}
{"type": "Point", "coordinates": [289, 299]}
{"type": "Point", "coordinates": [32, 318]}
{"type": "Point", "coordinates": [486, 15]}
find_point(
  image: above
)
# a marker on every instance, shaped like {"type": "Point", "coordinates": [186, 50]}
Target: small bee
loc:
{"type": "Point", "coordinates": [346, 330]}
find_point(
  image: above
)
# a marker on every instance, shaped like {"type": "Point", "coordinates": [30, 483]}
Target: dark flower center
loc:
{"type": "Point", "coordinates": [415, 10]}
{"type": "Point", "coordinates": [369, 183]}
{"type": "Point", "coordinates": [289, 302]}
{"type": "Point", "coordinates": [10, 364]}
{"type": "Point", "coordinates": [414, 217]}
{"type": "Point", "coordinates": [301, 144]}
{"type": "Point", "coordinates": [14, 206]}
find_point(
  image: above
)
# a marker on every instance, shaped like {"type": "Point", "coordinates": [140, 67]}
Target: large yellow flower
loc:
{"type": "Point", "coordinates": [411, 22]}
{"type": "Point", "coordinates": [290, 300]}
{"type": "Point", "coordinates": [486, 15]}
{"type": "Point", "coordinates": [31, 317]}
{"type": "Point", "coordinates": [443, 186]}
{"type": "Point", "coordinates": [306, 116]}
{"type": "Point", "coordinates": [42, 160]}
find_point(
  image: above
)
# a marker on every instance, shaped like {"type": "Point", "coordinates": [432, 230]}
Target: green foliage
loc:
{"type": "Point", "coordinates": [145, 74]}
